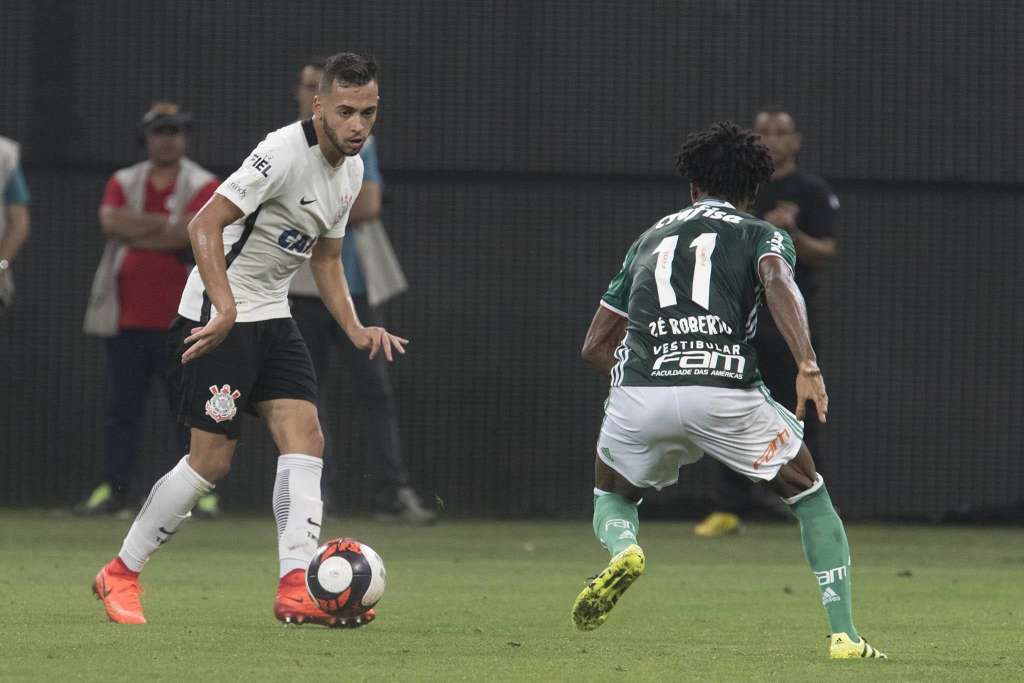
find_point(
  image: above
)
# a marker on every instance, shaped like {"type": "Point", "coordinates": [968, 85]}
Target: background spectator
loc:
{"type": "Point", "coordinates": [14, 221]}
{"type": "Point", "coordinates": [144, 215]}
{"type": "Point", "coordinates": [804, 205]}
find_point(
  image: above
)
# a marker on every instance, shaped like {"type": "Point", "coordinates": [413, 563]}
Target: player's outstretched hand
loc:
{"type": "Point", "coordinates": [810, 386]}
{"type": "Point", "coordinates": [207, 338]}
{"type": "Point", "coordinates": [377, 339]}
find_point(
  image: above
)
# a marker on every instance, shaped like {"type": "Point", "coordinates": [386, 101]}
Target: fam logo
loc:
{"type": "Point", "coordinates": [221, 406]}
{"type": "Point", "coordinates": [296, 241]}
{"type": "Point", "coordinates": [830, 576]}
{"type": "Point", "coordinates": [343, 207]}
{"type": "Point", "coordinates": [773, 449]}
{"type": "Point", "coordinates": [628, 532]}
{"type": "Point", "coordinates": [712, 363]}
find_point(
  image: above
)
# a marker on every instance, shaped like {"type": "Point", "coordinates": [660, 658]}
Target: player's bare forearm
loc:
{"type": "Point", "coordinates": [813, 251]}
{"type": "Point", "coordinates": [604, 335]}
{"type": "Point", "coordinates": [787, 307]}
{"type": "Point", "coordinates": [127, 224]}
{"type": "Point", "coordinates": [17, 231]}
{"type": "Point", "coordinates": [206, 233]}
{"type": "Point", "coordinates": [329, 275]}
{"type": "Point", "coordinates": [330, 281]}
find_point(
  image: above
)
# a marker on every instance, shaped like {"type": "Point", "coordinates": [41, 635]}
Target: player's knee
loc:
{"type": "Point", "coordinates": [210, 465]}
{"type": "Point", "coordinates": [314, 438]}
{"type": "Point", "coordinates": [795, 492]}
{"type": "Point", "coordinates": [220, 469]}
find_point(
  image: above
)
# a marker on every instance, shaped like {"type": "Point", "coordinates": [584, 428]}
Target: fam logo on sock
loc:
{"type": "Point", "coordinates": [221, 406]}
{"type": "Point", "coordinates": [621, 524]}
{"type": "Point", "coordinates": [831, 575]}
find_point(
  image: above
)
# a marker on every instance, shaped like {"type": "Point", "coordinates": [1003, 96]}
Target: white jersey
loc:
{"type": "Point", "coordinates": [289, 196]}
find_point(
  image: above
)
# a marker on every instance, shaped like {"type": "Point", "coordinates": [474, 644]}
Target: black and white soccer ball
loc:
{"type": "Point", "coordinates": [345, 577]}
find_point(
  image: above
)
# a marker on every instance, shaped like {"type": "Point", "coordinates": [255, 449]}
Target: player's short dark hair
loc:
{"type": "Point", "coordinates": [348, 68]}
{"type": "Point", "coordinates": [725, 161]}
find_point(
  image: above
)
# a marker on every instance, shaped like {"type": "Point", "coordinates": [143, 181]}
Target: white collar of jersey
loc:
{"type": "Point", "coordinates": [319, 154]}
{"type": "Point", "coordinates": [709, 201]}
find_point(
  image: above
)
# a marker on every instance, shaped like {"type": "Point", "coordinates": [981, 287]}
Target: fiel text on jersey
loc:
{"type": "Point", "coordinates": [261, 164]}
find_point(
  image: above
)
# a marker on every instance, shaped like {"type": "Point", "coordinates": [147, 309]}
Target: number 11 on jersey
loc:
{"type": "Point", "coordinates": [666, 253]}
{"type": "Point", "coordinates": [700, 290]}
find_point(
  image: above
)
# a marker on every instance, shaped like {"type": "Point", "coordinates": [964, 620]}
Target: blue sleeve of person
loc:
{"type": "Point", "coordinates": [16, 191]}
{"type": "Point", "coordinates": [371, 166]}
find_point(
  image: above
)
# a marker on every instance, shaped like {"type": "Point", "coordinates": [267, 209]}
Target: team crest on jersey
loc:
{"type": "Point", "coordinates": [221, 406]}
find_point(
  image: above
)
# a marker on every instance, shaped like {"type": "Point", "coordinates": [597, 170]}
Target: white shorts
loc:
{"type": "Point", "coordinates": [648, 433]}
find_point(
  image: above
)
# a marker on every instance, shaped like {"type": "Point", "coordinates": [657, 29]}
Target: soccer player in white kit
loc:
{"type": "Point", "coordinates": [236, 345]}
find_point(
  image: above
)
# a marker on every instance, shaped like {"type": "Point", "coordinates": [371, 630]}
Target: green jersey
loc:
{"type": "Point", "coordinates": [690, 289]}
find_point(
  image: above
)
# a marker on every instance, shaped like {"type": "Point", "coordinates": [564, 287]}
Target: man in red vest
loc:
{"type": "Point", "coordinates": [144, 215]}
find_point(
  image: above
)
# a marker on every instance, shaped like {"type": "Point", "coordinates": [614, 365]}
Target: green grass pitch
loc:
{"type": "Point", "coordinates": [489, 601]}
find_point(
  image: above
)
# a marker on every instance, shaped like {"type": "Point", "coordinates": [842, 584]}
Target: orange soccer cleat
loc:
{"type": "Point", "coordinates": [118, 588]}
{"type": "Point", "coordinates": [294, 606]}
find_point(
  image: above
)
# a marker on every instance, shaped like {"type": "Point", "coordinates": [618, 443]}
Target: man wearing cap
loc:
{"type": "Point", "coordinates": [144, 216]}
{"type": "Point", "coordinates": [13, 217]}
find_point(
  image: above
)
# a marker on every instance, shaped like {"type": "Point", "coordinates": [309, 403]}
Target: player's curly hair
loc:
{"type": "Point", "coordinates": [725, 161]}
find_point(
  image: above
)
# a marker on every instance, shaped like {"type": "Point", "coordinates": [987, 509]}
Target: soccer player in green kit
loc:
{"type": "Point", "coordinates": [673, 331]}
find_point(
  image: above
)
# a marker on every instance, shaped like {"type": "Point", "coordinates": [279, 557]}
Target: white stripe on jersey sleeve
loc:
{"type": "Point", "coordinates": [757, 266]}
{"type": "Point", "coordinates": [613, 309]}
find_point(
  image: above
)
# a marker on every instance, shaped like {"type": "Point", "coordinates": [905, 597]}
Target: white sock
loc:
{"type": "Point", "coordinates": [298, 509]}
{"type": "Point", "coordinates": [169, 504]}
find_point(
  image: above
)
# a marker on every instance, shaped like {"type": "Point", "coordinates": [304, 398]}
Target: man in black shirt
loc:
{"type": "Point", "coordinates": [805, 206]}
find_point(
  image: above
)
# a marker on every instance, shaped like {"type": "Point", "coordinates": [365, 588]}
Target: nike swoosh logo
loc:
{"type": "Point", "coordinates": [103, 587]}
{"type": "Point", "coordinates": [305, 201]}
{"type": "Point", "coordinates": [169, 533]}
{"type": "Point", "coordinates": [295, 600]}
{"type": "Point", "coordinates": [310, 520]}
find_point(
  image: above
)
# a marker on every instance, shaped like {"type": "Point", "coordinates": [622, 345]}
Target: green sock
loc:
{"type": "Point", "coordinates": [828, 553]}
{"type": "Point", "coordinates": [615, 522]}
